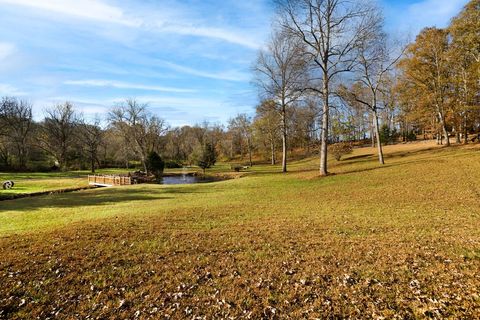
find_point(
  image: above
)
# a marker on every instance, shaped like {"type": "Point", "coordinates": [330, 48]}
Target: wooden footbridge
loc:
{"type": "Point", "coordinates": [109, 180]}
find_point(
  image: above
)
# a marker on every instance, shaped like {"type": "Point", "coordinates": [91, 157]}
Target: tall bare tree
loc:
{"type": "Point", "coordinates": [138, 128]}
{"type": "Point", "coordinates": [330, 30]}
{"type": "Point", "coordinates": [17, 122]}
{"type": "Point", "coordinates": [376, 59]}
{"type": "Point", "coordinates": [267, 127]}
{"type": "Point", "coordinates": [57, 132]}
{"type": "Point", "coordinates": [91, 137]}
{"type": "Point", "coordinates": [280, 71]}
{"type": "Point", "coordinates": [243, 124]}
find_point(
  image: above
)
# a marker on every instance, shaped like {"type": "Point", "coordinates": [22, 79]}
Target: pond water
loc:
{"type": "Point", "coordinates": [183, 179]}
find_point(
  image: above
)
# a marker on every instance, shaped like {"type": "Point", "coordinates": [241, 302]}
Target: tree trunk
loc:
{"type": "Point", "coordinates": [250, 152]}
{"type": "Point", "coordinates": [144, 162]}
{"type": "Point", "coordinates": [444, 129]}
{"type": "Point", "coordinates": [372, 132]}
{"type": "Point", "coordinates": [272, 149]}
{"type": "Point", "coordinates": [324, 136]}
{"type": "Point", "coordinates": [377, 133]}
{"type": "Point", "coordinates": [92, 163]}
{"type": "Point", "coordinates": [465, 129]}
{"type": "Point", "coordinates": [284, 140]}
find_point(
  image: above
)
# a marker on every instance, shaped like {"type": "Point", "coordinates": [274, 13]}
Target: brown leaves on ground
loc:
{"type": "Point", "coordinates": [145, 269]}
{"type": "Point", "coordinates": [394, 242]}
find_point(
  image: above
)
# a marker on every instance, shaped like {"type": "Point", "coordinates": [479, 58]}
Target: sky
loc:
{"type": "Point", "coordinates": [189, 60]}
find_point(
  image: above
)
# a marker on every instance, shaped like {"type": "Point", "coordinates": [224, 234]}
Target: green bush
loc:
{"type": "Point", "coordinates": [172, 164]}
{"type": "Point", "coordinates": [208, 157]}
{"type": "Point", "coordinates": [386, 135]}
{"type": "Point", "coordinates": [155, 164]}
{"type": "Point", "coordinates": [411, 136]}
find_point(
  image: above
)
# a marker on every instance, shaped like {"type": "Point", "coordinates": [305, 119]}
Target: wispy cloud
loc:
{"type": "Point", "coordinates": [6, 50]}
{"type": "Point", "coordinates": [9, 90]}
{"type": "Point", "coordinates": [226, 35]}
{"type": "Point", "coordinates": [188, 59]}
{"type": "Point", "coordinates": [125, 85]}
{"type": "Point", "coordinates": [230, 75]}
{"type": "Point", "coordinates": [435, 12]}
{"type": "Point", "coordinates": [85, 9]}
{"type": "Point", "coordinates": [421, 14]}
{"type": "Point", "coordinates": [192, 104]}
{"type": "Point", "coordinates": [177, 23]}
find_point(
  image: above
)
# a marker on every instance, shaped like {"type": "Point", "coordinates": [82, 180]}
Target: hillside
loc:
{"type": "Point", "coordinates": [369, 241]}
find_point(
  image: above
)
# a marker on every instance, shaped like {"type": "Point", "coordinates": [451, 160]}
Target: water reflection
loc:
{"type": "Point", "coordinates": [183, 179]}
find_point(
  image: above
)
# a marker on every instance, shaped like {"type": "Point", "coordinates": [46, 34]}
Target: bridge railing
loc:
{"type": "Point", "coordinates": [109, 180]}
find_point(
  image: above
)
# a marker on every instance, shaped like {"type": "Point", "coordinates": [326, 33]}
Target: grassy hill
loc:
{"type": "Point", "coordinates": [369, 241]}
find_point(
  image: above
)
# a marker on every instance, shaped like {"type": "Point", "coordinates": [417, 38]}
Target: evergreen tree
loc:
{"type": "Point", "coordinates": [208, 157]}
{"type": "Point", "coordinates": [155, 164]}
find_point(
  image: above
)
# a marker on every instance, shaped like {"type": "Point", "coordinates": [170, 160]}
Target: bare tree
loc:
{"type": "Point", "coordinates": [375, 61]}
{"type": "Point", "coordinates": [91, 137]}
{"type": "Point", "coordinates": [280, 74]}
{"type": "Point", "coordinates": [243, 124]}
{"type": "Point", "coordinates": [267, 126]}
{"type": "Point", "coordinates": [17, 122]}
{"type": "Point", "coordinates": [138, 128]}
{"type": "Point", "coordinates": [57, 132]}
{"type": "Point", "coordinates": [330, 30]}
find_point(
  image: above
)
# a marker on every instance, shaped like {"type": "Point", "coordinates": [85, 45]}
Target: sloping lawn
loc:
{"type": "Point", "coordinates": [398, 241]}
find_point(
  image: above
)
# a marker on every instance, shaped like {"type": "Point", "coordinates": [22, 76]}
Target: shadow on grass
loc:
{"type": "Point", "coordinates": [359, 156]}
{"type": "Point", "coordinates": [98, 197]}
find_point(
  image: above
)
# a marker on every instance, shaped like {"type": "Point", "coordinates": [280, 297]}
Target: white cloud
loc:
{"type": "Point", "coordinates": [172, 23]}
{"type": "Point", "coordinates": [426, 13]}
{"type": "Point", "coordinates": [230, 75]}
{"type": "Point", "coordinates": [6, 50]}
{"type": "Point", "coordinates": [125, 85]}
{"type": "Point", "coordinates": [85, 9]}
{"type": "Point", "coordinates": [187, 103]}
{"type": "Point", "coordinates": [215, 33]}
{"type": "Point", "coordinates": [9, 90]}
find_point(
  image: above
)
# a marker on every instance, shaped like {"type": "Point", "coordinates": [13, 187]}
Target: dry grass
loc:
{"type": "Point", "coordinates": [399, 241]}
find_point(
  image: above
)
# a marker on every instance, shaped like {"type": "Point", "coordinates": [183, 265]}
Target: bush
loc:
{"type": "Point", "coordinates": [387, 135]}
{"type": "Point", "coordinates": [155, 164]}
{"type": "Point", "coordinates": [236, 167]}
{"type": "Point", "coordinates": [208, 157]}
{"type": "Point", "coordinates": [172, 164]}
{"type": "Point", "coordinates": [340, 149]}
{"type": "Point", "coordinates": [411, 136]}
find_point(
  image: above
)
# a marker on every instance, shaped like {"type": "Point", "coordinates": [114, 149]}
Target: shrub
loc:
{"type": "Point", "coordinates": [172, 164]}
{"type": "Point", "coordinates": [387, 135]}
{"type": "Point", "coordinates": [236, 167]}
{"type": "Point", "coordinates": [155, 164]}
{"type": "Point", "coordinates": [208, 157]}
{"type": "Point", "coordinates": [340, 149]}
{"type": "Point", "coordinates": [411, 136]}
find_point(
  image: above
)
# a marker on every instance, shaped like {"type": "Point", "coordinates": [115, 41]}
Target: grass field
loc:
{"type": "Point", "coordinates": [33, 182]}
{"type": "Point", "coordinates": [395, 241]}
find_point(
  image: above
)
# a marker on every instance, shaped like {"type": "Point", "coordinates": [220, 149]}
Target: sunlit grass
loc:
{"type": "Point", "coordinates": [367, 241]}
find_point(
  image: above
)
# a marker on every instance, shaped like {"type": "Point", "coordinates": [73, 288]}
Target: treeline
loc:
{"type": "Point", "coordinates": [329, 74]}
{"type": "Point", "coordinates": [129, 134]}
{"type": "Point", "coordinates": [336, 55]}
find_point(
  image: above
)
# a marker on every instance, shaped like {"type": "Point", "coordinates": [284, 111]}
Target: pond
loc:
{"type": "Point", "coordinates": [184, 179]}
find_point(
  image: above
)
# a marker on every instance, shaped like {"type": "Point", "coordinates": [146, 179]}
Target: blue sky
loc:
{"type": "Point", "coordinates": [190, 60]}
